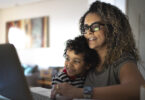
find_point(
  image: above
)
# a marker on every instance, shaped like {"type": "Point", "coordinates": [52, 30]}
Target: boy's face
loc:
{"type": "Point", "coordinates": [74, 63]}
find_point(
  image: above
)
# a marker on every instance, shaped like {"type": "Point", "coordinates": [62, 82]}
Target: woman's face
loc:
{"type": "Point", "coordinates": [74, 63]}
{"type": "Point", "coordinates": [96, 40]}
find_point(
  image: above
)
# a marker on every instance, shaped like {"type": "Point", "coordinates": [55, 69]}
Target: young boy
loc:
{"type": "Point", "coordinates": [79, 58]}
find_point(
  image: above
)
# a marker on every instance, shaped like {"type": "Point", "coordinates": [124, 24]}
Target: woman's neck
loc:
{"type": "Point", "coordinates": [102, 53]}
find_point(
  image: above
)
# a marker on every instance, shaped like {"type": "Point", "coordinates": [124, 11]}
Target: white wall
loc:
{"type": "Point", "coordinates": [0, 23]}
{"type": "Point", "coordinates": [136, 14]}
{"type": "Point", "coordinates": [121, 4]}
{"type": "Point", "coordinates": [64, 18]}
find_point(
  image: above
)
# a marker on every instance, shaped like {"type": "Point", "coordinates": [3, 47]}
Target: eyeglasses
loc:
{"type": "Point", "coordinates": [93, 27]}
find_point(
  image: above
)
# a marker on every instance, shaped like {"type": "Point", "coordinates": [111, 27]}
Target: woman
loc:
{"type": "Point", "coordinates": [117, 77]}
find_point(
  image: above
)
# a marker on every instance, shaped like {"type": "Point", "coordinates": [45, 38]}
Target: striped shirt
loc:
{"type": "Point", "coordinates": [63, 77]}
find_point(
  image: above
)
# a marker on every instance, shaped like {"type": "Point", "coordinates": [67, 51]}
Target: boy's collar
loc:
{"type": "Point", "coordinates": [71, 77]}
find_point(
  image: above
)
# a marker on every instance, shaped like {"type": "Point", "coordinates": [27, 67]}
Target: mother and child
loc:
{"type": "Point", "coordinates": [109, 73]}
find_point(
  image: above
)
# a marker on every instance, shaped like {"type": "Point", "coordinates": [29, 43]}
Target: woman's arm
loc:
{"type": "Point", "coordinates": [129, 88]}
{"type": "Point", "coordinates": [130, 79]}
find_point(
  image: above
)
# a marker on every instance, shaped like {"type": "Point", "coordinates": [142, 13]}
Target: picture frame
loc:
{"type": "Point", "coordinates": [28, 33]}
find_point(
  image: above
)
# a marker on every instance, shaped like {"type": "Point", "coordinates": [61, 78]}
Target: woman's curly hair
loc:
{"type": "Point", "coordinates": [80, 46]}
{"type": "Point", "coordinates": [118, 34]}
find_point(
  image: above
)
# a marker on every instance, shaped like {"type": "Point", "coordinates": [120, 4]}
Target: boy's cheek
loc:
{"type": "Point", "coordinates": [65, 64]}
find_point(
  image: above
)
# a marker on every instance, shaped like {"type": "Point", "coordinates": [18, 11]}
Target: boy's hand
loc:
{"type": "Point", "coordinates": [63, 89]}
{"type": "Point", "coordinates": [53, 91]}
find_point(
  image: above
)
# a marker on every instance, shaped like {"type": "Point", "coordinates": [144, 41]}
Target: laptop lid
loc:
{"type": "Point", "coordinates": [13, 84]}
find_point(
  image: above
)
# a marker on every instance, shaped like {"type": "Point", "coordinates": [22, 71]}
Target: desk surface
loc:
{"type": "Point", "coordinates": [44, 94]}
{"type": "Point", "coordinates": [3, 98]}
{"type": "Point", "coordinates": [39, 92]}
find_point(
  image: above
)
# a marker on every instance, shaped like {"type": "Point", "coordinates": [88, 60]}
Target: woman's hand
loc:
{"type": "Point", "coordinates": [66, 90]}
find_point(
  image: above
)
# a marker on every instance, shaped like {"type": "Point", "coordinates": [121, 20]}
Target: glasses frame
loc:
{"type": "Point", "coordinates": [89, 27]}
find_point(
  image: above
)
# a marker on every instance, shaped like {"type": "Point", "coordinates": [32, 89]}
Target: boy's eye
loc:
{"type": "Point", "coordinates": [66, 58]}
{"type": "Point", "coordinates": [76, 61]}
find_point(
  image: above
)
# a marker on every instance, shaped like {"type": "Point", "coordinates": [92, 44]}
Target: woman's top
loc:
{"type": "Point", "coordinates": [110, 75]}
{"type": "Point", "coordinates": [77, 81]}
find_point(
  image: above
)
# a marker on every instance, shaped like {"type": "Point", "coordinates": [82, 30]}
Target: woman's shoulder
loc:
{"type": "Point", "coordinates": [110, 74]}
{"type": "Point", "coordinates": [119, 63]}
{"type": "Point", "coordinates": [126, 57]}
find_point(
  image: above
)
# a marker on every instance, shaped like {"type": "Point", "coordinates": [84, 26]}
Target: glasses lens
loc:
{"type": "Point", "coordinates": [84, 29]}
{"type": "Point", "coordinates": [95, 27]}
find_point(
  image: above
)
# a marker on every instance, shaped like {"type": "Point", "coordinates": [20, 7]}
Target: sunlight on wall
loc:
{"type": "Point", "coordinates": [17, 37]}
{"type": "Point", "coordinates": [44, 58]}
{"type": "Point", "coordinates": [51, 56]}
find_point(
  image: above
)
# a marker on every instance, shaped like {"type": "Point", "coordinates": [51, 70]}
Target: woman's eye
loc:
{"type": "Point", "coordinates": [96, 28]}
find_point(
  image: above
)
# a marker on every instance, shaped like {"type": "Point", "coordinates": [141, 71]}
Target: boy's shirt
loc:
{"type": "Point", "coordinates": [77, 81]}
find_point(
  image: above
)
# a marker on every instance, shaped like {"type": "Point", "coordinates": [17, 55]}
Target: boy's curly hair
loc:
{"type": "Point", "coordinates": [80, 46]}
{"type": "Point", "coordinates": [118, 34]}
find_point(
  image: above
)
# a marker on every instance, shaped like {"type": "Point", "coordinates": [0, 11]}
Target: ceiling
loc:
{"type": "Point", "coordinates": [12, 3]}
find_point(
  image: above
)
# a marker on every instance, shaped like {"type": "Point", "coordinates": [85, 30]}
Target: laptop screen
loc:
{"type": "Point", "coordinates": [13, 83]}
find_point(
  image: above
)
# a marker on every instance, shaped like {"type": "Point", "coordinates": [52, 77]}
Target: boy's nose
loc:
{"type": "Point", "coordinates": [70, 64]}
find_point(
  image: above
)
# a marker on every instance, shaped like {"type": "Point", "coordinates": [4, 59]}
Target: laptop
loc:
{"type": "Point", "coordinates": [13, 84]}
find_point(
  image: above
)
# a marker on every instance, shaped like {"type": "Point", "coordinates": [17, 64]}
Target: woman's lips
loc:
{"type": "Point", "coordinates": [92, 39]}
